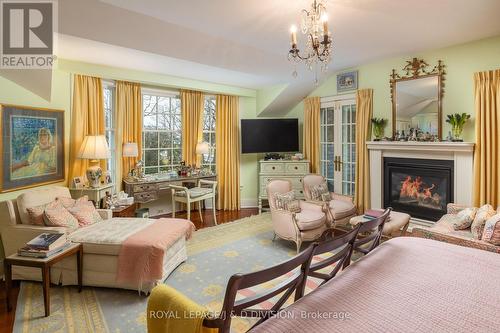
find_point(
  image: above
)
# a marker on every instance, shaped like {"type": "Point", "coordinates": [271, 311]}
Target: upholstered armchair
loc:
{"type": "Point", "coordinates": [338, 208]}
{"type": "Point", "coordinates": [306, 225]}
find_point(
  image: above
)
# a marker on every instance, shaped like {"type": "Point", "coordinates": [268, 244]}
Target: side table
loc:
{"type": "Point", "coordinates": [125, 211]}
{"type": "Point", "coordinates": [94, 193]}
{"type": "Point", "coordinates": [44, 264]}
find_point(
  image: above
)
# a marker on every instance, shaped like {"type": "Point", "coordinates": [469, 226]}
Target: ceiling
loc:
{"type": "Point", "coordinates": [245, 43]}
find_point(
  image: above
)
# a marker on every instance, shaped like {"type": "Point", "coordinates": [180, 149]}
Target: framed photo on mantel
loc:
{"type": "Point", "coordinates": [32, 146]}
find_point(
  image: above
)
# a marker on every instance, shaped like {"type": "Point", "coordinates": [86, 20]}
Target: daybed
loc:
{"type": "Point", "coordinates": [102, 242]}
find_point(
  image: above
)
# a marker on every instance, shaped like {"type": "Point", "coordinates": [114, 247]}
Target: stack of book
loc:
{"type": "Point", "coordinates": [373, 214]}
{"type": "Point", "coordinates": [44, 245]}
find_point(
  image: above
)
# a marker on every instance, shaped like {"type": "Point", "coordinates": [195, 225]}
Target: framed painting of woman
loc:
{"type": "Point", "coordinates": [32, 146]}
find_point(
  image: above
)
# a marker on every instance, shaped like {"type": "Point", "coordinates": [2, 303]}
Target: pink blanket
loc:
{"type": "Point", "coordinates": [141, 256]}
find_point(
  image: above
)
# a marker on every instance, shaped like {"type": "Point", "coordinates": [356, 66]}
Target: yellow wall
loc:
{"type": "Point", "coordinates": [461, 61]}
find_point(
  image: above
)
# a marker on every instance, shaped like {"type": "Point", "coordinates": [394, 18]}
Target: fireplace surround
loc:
{"type": "Point", "coordinates": [461, 154]}
{"type": "Point", "coordinates": [419, 187]}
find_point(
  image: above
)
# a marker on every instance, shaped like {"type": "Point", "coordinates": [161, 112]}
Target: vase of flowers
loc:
{"type": "Point", "coordinates": [378, 128]}
{"type": "Point", "coordinates": [457, 122]}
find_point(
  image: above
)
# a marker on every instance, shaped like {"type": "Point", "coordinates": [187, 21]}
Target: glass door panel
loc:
{"type": "Point", "coordinates": [347, 142]}
{"type": "Point", "coordinates": [327, 145]}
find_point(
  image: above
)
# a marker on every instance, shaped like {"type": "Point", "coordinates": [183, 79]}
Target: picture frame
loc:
{"type": "Point", "coordinates": [78, 182]}
{"type": "Point", "coordinates": [32, 147]}
{"type": "Point", "coordinates": [106, 176]}
{"type": "Point", "coordinates": [347, 81]}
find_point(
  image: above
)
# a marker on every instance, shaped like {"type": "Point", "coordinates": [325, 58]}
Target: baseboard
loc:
{"type": "Point", "coordinates": [249, 203]}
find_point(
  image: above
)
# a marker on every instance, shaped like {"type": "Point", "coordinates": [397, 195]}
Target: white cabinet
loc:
{"type": "Point", "coordinates": [294, 171]}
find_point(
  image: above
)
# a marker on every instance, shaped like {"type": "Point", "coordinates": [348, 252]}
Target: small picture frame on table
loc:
{"type": "Point", "coordinates": [78, 182]}
{"type": "Point", "coordinates": [106, 177]}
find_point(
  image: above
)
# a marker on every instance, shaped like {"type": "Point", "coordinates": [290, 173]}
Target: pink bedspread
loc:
{"type": "Point", "coordinates": [141, 256]}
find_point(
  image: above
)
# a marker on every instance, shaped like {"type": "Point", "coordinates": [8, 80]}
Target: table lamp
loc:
{"type": "Point", "coordinates": [94, 148]}
{"type": "Point", "coordinates": [130, 149]}
{"type": "Point", "coordinates": [202, 148]}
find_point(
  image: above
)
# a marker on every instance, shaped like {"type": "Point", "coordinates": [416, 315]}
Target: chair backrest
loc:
{"type": "Point", "coordinates": [309, 181]}
{"type": "Point", "coordinates": [374, 229]}
{"type": "Point", "coordinates": [340, 249]}
{"type": "Point", "coordinates": [298, 265]}
{"type": "Point", "coordinates": [277, 186]}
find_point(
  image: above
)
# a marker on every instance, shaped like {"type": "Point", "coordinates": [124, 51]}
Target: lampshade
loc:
{"type": "Point", "coordinates": [130, 149]}
{"type": "Point", "coordinates": [202, 148]}
{"type": "Point", "coordinates": [94, 147]}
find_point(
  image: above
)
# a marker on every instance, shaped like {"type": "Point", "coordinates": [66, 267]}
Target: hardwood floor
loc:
{"type": "Point", "coordinates": [7, 318]}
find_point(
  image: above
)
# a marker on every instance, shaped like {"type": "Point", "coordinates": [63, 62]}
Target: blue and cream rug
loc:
{"type": "Point", "coordinates": [214, 254]}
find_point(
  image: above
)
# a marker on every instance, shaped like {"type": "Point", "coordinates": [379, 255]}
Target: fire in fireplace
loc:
{"type": "Point", "coordinates": [419, 187]}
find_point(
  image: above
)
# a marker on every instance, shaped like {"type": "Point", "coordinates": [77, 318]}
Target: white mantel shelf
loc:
{"type": "Point", "coordinates": [421, 146]}
{"type": "Point", "coordinates": [461, 153]}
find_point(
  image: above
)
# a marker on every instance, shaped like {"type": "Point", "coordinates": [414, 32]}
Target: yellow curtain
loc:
{"type": "Point", "coordinates": [128, 125]}
{"type": "Point", "coordinates": [487, 151]}
{"type": "Point", "coordinates": [227, 143]}
{"type": "Point", "coordinates": [364, 105]}
{"type": "Point", "coordinates": [192, 106]}
{"type": "Point", "coordinates": [87, 118]}
{"type": "Point", "coordinates": [312, 132]}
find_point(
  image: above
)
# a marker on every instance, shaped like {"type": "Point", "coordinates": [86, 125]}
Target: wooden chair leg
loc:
{"type": "Point", "coordinates": [199, 210]}
{"type": "Point", "coordinates": [188, 210]}
{"type": "Point", "coordinates": [213, 210]}
{"type": "Point", "coordinates": [173, 205]}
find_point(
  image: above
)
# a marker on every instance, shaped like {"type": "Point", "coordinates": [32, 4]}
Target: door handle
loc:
{"type": "Point", "coordinates": [339, 160]}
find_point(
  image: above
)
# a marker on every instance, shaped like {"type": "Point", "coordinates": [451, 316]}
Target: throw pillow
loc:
{"type": "Point", "coordinates": [85, 214]}
{"type": "Point", "coordinates": [464, 218]}
{"type": "Point", "coordinates": [293, 206]}
{"type": "Point", "coordinates": [491, 233]}
{"type": "Point", "coordinates": [483, 214]}
{"type": "Point", "coordinates": [282, 199]}
{"type": "Point", "coordinates": [36, 214]}
{"type": "Point", "coordinates": [326, 197]}
{"type": "Point", "coordinates": [318, 190]}
{"type": "Point", "coordinates": [70, 202]}
{"type": "Point", "coordinates": [58, 216]}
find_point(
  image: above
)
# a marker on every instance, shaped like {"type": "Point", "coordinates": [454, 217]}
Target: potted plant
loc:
{"type": "Point", "coordinates": [457, 122]}
{"type": "Point", "coordinates": [378, 127]}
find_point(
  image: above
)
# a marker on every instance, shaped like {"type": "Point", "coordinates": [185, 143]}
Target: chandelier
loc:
{"type": "Point", "coordinates": [318, 49]}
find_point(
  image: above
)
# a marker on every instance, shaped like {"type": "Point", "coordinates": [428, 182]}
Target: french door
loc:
{"type": "Point", "coordinates": [338, 148]}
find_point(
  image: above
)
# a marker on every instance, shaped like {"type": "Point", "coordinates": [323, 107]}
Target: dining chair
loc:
{"type": "Point", "coordinates": [206, 189]}
{"type": "Point", "coordinates": [340, 250]}
{"type": "Point", "coordinates": [294, 271]}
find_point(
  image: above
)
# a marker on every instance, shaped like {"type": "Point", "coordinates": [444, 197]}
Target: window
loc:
{"type": "Point", "coordinates": [208, 160]}
{"type": "Point", "coordinates": [337, 144]}
{"type": "Point", "coordinates": [109, 122]}
{"type": "Point", "coordinates": [162, 132]}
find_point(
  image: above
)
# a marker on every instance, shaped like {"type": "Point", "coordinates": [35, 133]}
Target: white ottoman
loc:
{"type": "Point", "coordinates": [397, 223]}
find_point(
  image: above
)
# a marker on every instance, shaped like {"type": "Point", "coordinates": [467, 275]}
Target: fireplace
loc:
{"type": "Point", "coordinates": [419, 187]}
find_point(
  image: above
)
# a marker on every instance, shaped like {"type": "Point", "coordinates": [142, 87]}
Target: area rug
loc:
{"type": "Point", "coordinates": [214, 254]}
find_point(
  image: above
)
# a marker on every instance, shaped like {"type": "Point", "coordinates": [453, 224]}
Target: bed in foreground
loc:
{"type": "Point", "coordinates": [405, 285]}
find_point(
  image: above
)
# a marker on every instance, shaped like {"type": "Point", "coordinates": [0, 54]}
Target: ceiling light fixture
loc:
{"type": "Point", "coordinates": [314, 24]}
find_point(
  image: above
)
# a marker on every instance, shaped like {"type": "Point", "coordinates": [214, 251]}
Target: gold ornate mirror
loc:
{"type": "Point", "coordinates": [417, 99]}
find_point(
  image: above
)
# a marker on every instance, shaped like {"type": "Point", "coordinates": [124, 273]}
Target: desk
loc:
{"type": "Point", "coordinates": [149, 190]}
{"type": "Point", "coordinates": [94, 193]}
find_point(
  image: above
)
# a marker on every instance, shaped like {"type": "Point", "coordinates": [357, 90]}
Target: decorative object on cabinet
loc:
{"type": "Point", "coordinates": [417, 98]}
{"type": "Point", "coordinates": [347, 81]}
{"type": "Point", "coordinates": [94, 193]}
{"type": "Point", "coordinates": [31, 146]}
{"type": "Point", "coordinates": [457, 122]}
{"type": "Point", "coordinates": [94, 148]}
{"type": "Point", "coordinates": [294, 171]}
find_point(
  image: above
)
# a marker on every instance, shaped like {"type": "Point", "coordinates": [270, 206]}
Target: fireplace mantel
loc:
{"type": "Point", "coordinates": [462, 153]}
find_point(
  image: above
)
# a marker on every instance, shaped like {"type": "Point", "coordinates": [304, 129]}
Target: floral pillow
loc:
{"type": "Point", "coordinates": [464, 218]}
{"type": "Point", "coordinates": [317, 192]}
{"type": "Point", "coordinates": [482, 215]}
{"type": "Point", "coordinates": [491, 233]}
{"type": "Point", "coordinates": [56, 215]}
{"type": "Point", "coordinates": [85, 214]}
{"type": "Point", "coordinates": [36, 214]}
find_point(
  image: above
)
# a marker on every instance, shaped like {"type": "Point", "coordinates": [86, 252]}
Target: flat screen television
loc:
{"type": "Point", "coordinates": [269, 135]}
